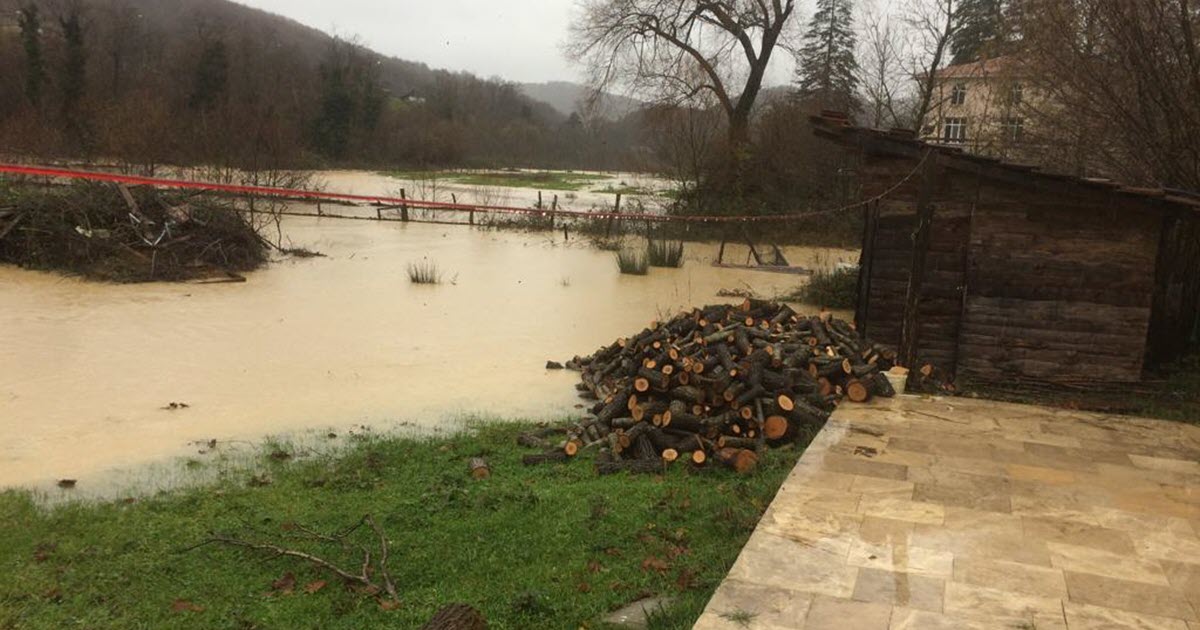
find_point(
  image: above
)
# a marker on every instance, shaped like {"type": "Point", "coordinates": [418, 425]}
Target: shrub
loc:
{"type": "Point", "coordinates": [664, 253]}
{"type": "Point", "coordinates": [633, 262]}
{"type": "Point", "coordinates": [424, 272]}
{"type": "Point", "coordinates": [832, 289]}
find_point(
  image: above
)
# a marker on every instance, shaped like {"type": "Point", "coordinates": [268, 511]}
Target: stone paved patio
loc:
{"type": "Point", "coordinates": [960, 514]}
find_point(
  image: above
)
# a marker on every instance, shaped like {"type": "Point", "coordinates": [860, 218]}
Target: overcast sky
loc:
{"type": "Point", "coordinates": [518, 40]}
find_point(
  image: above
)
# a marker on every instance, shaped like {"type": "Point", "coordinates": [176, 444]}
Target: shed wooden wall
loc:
{"type": "Point", "coordinates": [1017, 283]}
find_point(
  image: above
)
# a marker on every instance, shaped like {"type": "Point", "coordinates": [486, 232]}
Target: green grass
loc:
{"type": "Point", "coordinates": [542, 180]}
{"type": "Point", "coordinates": [1171, 392]}
{"type": "Point", "coordinates": [664, 253]}
{"type": "Point", "coordinates": [633, 262]}
{"type": "Point", "coordinates": [424, 272]}
{"type": "Point", "coordinates": [830, 289]}
{"type": "Point", "coordinates": [546, 547]}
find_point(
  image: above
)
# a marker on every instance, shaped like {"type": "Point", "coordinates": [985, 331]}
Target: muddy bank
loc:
{"type": "Point", "coordinates": [127, 235]}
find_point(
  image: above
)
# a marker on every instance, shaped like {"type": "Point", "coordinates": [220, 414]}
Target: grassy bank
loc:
{"type": "Point", "coordinates": [546, 547]}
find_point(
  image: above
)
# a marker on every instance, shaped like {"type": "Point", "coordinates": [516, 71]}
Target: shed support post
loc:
{"type": "Point", "coordinates": [866, 264]}
{"type": "Point", "coordinates": [922, 232]}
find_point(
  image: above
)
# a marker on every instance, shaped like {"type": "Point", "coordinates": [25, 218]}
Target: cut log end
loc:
{"type": "Point", "coordinates": [785, 402]}
{"type": "Point", "coordinates": [479, 468]}
{"type": "Point", "coordinates": [775, 427]}
{"type": "Point", "coordinates": [857, 392]}
{"type": "Point", "coordinates": [669, 455]}
{"type": "Point", "coordinates": [740, 460]}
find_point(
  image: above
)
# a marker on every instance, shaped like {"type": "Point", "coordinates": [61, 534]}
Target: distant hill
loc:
{"type": "Point", "coordinates": [566, 98]}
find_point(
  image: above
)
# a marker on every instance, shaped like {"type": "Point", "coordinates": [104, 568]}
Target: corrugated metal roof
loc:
{"type": "Point", "coordinates": [838, 127]}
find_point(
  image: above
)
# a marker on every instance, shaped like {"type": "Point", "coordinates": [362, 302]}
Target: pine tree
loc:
{"type": "Point", "coordinates": [826, 70]}
{"type": "Point", "coordinates": [980, 30]}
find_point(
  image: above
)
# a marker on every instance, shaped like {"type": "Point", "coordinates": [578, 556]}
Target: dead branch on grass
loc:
{"type": "Point", "coordinates": [371, 565]}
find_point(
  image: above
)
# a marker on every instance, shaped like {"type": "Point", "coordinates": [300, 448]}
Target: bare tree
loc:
{"type": "Point", "coordinates": [882, 70]}
{"type": "Point", "coordinates": [672, 51]}
{"type": "Point", "coordinates": [1119, 84]}
{"type": "Point", "coordinates": [934, 23]}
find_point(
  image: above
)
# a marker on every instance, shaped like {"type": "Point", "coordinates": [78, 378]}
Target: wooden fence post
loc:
{"type": "Point", "coordinates": [403, 206]}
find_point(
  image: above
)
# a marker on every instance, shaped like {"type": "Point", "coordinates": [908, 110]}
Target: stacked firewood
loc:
{"type": "Point", "coordinates": [720, 383]}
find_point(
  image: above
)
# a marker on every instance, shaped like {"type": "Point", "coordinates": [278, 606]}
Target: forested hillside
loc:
{"type": "Point", "coordinates": [211, 81]}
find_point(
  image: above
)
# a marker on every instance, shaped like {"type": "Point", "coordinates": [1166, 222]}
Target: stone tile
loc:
{"type": "Point", "coordinates": [1070, 458]}
{"type": "Point", "coordinates": [1141, 521]}
{"type": "Point", "coordinates": [878, 486]}
{"type": "Point", "coordinates": [1054, 503]}
{"type": "Point", "coordinates": [902, 510]}
{"type": "Point", "coordinates": [1137, 597]}
{"type": "Point", "coordinates": [1041, 474]}
{"type": "Point", "coordinates": [864, 467]}
{"type": "Point", "coordinates": [802, 523]}
{"type": "Point", "coordinates": [770, 606]}
{"type": "Point", "coordinates": [1085, 617]}
{"type": "Point", "coordinates": [884, 530]}
{"type": "Point", "coordinates": [1184, 578]}
{"type": "Point", "coordinates": [966, 600]}
{"type": "Point", "coordinates": [909, 590]}
{"type": "Point", "coordinates": [991, 501]}
{"type": "Point", "coordinates": [1105, 563]}
{"type": "Point", "coordinates": [901, 557]}
{"type": "Point", "coordinates": [1075, 533]}
{"type": "Point", "coordinates": [976, 534]}
{"type": "Point", "coordinates": [772, 560]}
{"type": "Point", "coordinates": [819, 499]}
{"type": "Point", "coordinates": [732, 621]}
{"type": "Point", "coordinates": [1166, 545]}
{"type": "Point", "coordinates": [1188, 467]}
{"type": "Point", "coordinates": [911, 619]}
{"type": "Point", "coordinates": [1014, 577]}
{"type": "Point", "coordinates": [828, 613]}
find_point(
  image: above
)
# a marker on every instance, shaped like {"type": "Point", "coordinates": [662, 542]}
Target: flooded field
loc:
{"type": "Point", "coordinates": [323, 343]}
{"type": "Point", "coordinates": [597, 191]}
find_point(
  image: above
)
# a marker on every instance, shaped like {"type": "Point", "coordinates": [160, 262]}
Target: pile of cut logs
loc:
{"type": "Point", "coordinates": [720, 383]}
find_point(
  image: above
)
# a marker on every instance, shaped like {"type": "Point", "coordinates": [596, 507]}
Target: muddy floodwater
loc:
{"type": "Point", "coordinates": [322, 343]}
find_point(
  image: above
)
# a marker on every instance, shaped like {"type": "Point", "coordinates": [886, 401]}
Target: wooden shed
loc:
{"type": "Point", "coordinates": [993, 271]}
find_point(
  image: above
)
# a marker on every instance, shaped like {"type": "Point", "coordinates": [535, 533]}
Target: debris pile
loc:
{"type": "Point", "coordinates": [121, 234]}
{"type": "Point", "coordinates": [720, 383]}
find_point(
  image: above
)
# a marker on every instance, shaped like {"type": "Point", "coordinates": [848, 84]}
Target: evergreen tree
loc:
{"type": "Point", "coordinates": [30, 22]}
{"type": "Point", "coordinates": [826, 70]}
{"type": "Point", "coordinates": [980, 30]}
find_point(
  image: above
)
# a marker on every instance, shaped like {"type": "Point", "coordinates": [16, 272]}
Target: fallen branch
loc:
{"type": "Point", "coordinates": [362, 578]}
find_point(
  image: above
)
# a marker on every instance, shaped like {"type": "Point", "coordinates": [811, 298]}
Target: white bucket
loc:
{"type": "Point", "coordinates": [898, 377]}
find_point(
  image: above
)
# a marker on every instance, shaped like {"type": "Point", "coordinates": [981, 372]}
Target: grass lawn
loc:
{"type": "Point", "coordinates": [1170, 393]}
{"type": "Point", "coordinates": [545, 547]}
{"type": "Point", "coordinates": [542, 180]}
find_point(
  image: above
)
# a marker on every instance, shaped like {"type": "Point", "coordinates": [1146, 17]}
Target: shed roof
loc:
{"type": "Point", "coordinates": [836, 126]}
{"type": "Point", "coordinates": [1003, 66]}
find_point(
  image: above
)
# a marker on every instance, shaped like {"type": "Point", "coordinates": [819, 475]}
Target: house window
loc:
{"type": "Point", "coordinates": [1016, 94]}
{"type": "Point", "coordinates": [958, 94]}
{"type": "Point", "coordinates": [954, 130]}
{"type": "Point", "coordinates": [1013, 128]}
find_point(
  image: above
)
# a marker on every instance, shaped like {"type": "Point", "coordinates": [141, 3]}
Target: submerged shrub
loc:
{"type": "Point", "coordinates": [633, 262]}
{"type": "Point", "coordinates": [424, 272]}
{"type": "Point", "coordinates": [664, 253]}
{"type": "Point", "coordinates": [832, 289]}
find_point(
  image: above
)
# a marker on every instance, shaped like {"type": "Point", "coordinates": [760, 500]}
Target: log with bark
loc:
{"type": "Point", "coordinates": [721, 384]}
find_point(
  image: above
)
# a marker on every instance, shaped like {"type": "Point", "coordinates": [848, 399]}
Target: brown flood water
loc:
{"type": "Point", "coordinates": [325, 343]}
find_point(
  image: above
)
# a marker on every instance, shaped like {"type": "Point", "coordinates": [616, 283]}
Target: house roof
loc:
{"type": "Point", "coordinates": [836, 126]}
{"type": "Point", "coordinates": [1004, 66]}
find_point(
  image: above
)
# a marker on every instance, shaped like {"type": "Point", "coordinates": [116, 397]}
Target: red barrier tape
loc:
{"type": "Point", "coordinates": [266, 191]}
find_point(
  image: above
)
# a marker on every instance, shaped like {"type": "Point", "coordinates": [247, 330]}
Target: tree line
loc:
{"type": "Point", "coordinates": [219, 84]}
